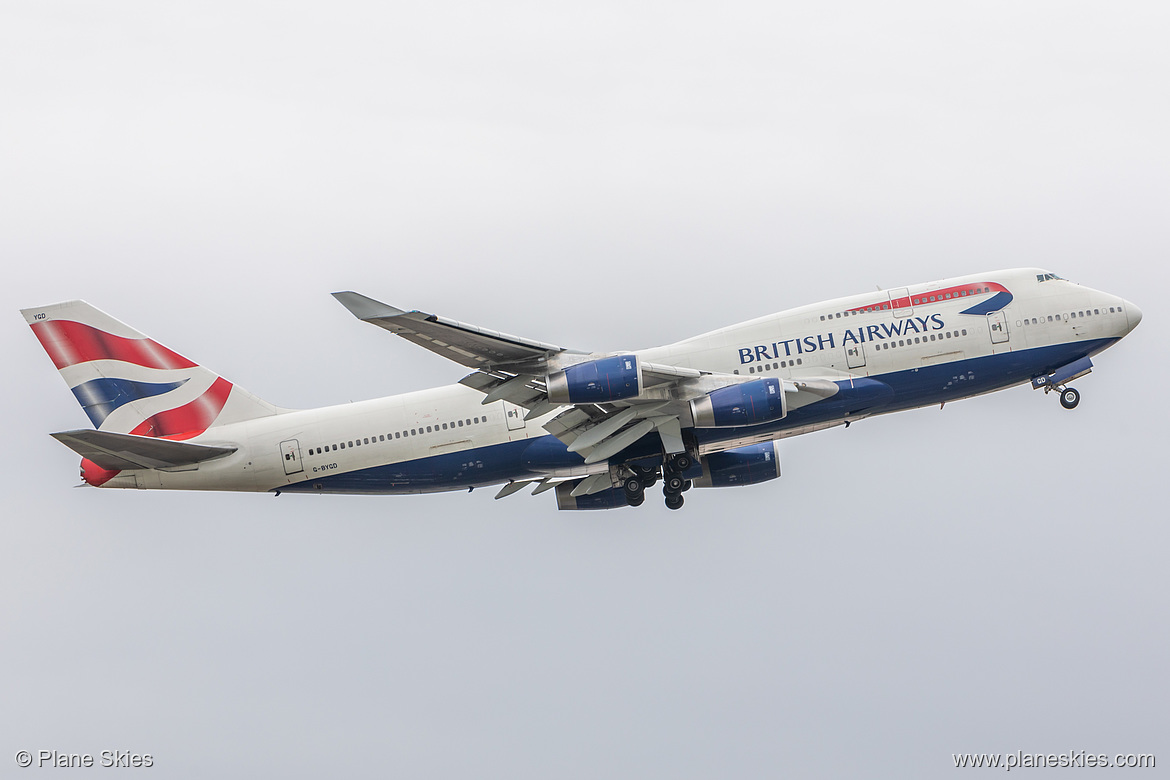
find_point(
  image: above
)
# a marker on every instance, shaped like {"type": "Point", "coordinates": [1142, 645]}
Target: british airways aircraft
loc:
{"type": "Point", "coordinates": [598, 429]}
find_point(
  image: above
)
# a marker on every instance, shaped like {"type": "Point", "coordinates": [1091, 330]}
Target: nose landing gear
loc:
{"type": "Point", "coordinates": [1069, 398]}
{"type": "Point", "coordinates": [1058, 380]}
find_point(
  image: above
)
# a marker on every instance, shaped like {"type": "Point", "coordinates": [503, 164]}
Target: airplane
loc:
{"type": "Point", "coordinates": [599, 429]}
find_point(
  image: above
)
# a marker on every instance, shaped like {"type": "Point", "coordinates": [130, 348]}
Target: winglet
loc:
{"type": "Point", "coordinates": [365, 308]}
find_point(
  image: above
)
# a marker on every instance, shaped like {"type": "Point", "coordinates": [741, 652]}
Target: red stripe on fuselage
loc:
{"type": "Point", "coordinates": [69, 343]}
{"type": "Point", "coordinates": [189, 420]}
{"type": "Point", "coordinates": [939, 296]}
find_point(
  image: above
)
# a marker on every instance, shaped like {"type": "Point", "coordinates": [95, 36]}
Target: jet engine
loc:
{"type": "Point", "coordinates": [742, 466]}
{"type": "Point", "coordinates": [606, 499]}
{"type": "Point", "coordinates": [596, 381]}
{"type": "Point", "coordinates": [748, 403]}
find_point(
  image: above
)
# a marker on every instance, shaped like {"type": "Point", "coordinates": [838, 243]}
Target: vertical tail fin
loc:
{"type": "Point", "coordinates": [128, 383]}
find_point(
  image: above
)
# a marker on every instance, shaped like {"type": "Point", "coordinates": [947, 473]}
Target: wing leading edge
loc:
{"type": "Point", "coordinates": [465, 344]}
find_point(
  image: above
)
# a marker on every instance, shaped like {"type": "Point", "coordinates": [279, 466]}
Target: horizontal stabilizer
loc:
{"type": "Point", "coordinates": [117, 451]}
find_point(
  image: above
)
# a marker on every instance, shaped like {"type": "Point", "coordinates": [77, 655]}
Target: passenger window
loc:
{"type": "Point", "coordinates": [800, 361]}
{"type": "Point", "coordinates": [965, 330]}
{"type": "Point", "coordinates": [460, 422]}
{"type": "Point", "coordinates": [948, 334]}
{"type": "Point", "coordinates": [428, 429]}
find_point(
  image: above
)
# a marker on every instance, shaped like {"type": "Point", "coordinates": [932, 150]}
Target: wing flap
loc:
{"type": "Point", "coordinates": [118, 451]}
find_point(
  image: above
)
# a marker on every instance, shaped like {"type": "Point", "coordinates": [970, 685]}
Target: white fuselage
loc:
{"type": "Point", "coordinates": [928, 351]}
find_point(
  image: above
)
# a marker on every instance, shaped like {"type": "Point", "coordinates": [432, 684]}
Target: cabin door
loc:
{"type": "Point", "coordinates": [514, 415]}
{"type": "Point", "coordinates": [290, 453]}
{"type": "Point", "coordinates": [998, 327]}
{"type": "Point", "coordinates": [855, 355]}
{"type": "Point", "coordinates": [900, 302]}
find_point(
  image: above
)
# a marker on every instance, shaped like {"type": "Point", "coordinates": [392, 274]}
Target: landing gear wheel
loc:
{"type": "Point", "coordinates": [673, 485]}
{"type": "Point", "coordinates": [635, 500]}
{"type": "Point", "coordinates": [649, 477]}
{"type": "Point", "coordinates": [680, 463]}
{"type": "Point", "coordinates": [634, 488]}
{"type": "Point", "coordinates": [674, 501]}
{"type": "Point", "coordinates": [1069, 398]}
{"type": "Point", "coordinates": [686, 486]}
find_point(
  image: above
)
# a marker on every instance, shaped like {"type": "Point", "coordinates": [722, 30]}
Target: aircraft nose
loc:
{"type": "Point", "coordinates": [1133, 314]}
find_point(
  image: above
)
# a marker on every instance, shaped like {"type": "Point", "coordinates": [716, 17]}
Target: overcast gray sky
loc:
{"type": "Point", "coordinates": [991, 577]}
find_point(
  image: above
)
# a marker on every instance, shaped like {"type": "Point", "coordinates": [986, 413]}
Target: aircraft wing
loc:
{"type": "Point", "coordinates": [117, 451]}
{"type": "Point", "coordinates": [517, 370]}
{"type": "Point", "coordinates": [467, 345]}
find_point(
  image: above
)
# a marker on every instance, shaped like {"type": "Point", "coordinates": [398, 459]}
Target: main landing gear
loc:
{"type": "Point", "coordinates": [673, 483]}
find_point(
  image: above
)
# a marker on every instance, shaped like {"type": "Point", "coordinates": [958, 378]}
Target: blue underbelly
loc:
{"type": "Point", "coordinates": [878, 394]}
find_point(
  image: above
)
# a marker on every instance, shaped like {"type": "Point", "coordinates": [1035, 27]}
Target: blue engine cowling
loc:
{"type": "Point", "coordinates": [606, 499]}
{"type": "Point", "coordinates": [749, 403]}
{"type": "Point", "coordinates": [598, 381]}
{"type": "Point", "coordinates": [742, 466]}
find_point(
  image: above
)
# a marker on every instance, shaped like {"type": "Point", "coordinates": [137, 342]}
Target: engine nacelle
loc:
{"type": "Point", "coordinates": [596, 382]}
{"type": "Point", "coordinates": [606, 499]}
{"type": "Point", "coordinates": [742, 466]}
{"type": "Point", "coordinates": [748, 403]}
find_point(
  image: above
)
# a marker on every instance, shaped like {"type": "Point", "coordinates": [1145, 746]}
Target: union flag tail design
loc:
{"type": "Point", "coordinates": [128, 383]}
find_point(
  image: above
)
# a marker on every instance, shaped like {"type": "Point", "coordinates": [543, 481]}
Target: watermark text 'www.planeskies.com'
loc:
{"type": "Point", "coordinates": [1071, 759]}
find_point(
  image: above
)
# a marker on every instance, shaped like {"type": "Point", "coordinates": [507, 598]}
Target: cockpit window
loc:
{"type": "Point", "coordinates": [1049, 277]}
